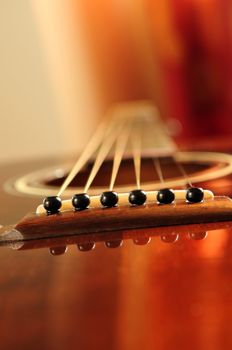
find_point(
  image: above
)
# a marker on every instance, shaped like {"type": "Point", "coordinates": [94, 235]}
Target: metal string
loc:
{"type": "Point", "coordinates": [119, 131]}
{"type": "Point", "coordinates": [136, 143]}
{"type": "Point", "coordinates": [119, 151]}
{"type": "Point", "coordinates": [157, 165]}
{"type": "Point", "coordinates": [181, 169]}
{"type": "Point", "coordinates": [102, 153]}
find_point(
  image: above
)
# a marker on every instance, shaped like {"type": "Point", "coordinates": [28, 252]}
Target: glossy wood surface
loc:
{"type": "Point", "coordinates": [162, 296]}
{"type": "Point", "coordinates": [158, 295]}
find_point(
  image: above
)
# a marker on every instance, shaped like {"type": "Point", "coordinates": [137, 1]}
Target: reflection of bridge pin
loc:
{"type": "Point", "coordinates": [170, 238]}
{"type": "Point", "coordinates": [142, 240]}
{"type": "Point", "coordinates": [58, 250]}
{"type": "Point", "coordinates": [198, 235]}
{"type": "Point", "coordinates": [85, 247]}
{"type": "Point", "coordinates": [113, 244]}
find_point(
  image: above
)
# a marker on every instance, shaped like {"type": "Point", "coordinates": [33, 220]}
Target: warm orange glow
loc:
{"type": "Point", "coordinates": [215, 244]}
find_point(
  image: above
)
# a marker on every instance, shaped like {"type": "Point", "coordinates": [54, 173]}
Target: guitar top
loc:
{"type": "Point", "coordinates": [153, 294]}
{"type": "Point", "coordinates": [156, 286]}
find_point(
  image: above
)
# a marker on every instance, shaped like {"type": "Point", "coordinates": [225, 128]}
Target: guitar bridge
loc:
{"type": "Point", "coordinates": [124, 217]}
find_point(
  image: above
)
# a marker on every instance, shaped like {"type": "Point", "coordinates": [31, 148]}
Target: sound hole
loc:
{"type": "Point", "coordinates": [126, 174]}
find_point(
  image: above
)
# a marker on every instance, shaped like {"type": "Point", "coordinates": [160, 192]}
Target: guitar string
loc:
{"type": "Point", "coordinates": [159, 134]}
{"type": "Point", "coordinates": [157, 165]}
{"type": "Point", "coordinates": [181, 169]}
{"type": "Point", "coordinates": [138, 146]}
{"type": "Point", "coordinates": [160, 139]}
{"type": "Point", "coordinates": [91, 147]}
{"type": "Point", "coordinates": [119, 152]}
{"type": "Point", "coordinates": [102, 153]}
{"type": "Point", "coordinates": [95, 142]}
{"type": "Point", "coordinates": [136, 143]}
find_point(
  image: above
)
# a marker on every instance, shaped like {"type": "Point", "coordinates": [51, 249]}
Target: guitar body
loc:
{"type": "Point", "coordinates": [173, 292]}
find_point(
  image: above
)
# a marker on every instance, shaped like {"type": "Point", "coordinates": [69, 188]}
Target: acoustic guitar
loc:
{"type": "Point", "coordinates": [146, 225]}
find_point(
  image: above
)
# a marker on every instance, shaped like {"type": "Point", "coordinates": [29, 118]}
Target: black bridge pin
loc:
{"type": "Point", "coordinates": [52, 204]}
{"type": "Point", "coordinates": [137, 197]}
{"type": "Point", "coordinates": [165, 196]}
{"type": "Point", "coordinates": [109, 199]}
{"type": "Point", "coordinates": [194, 195]}
{"type": "Point", "coordinates": [80, 201]}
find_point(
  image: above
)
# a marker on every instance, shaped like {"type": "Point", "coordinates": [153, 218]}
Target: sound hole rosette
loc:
{"type": "Point", "coordinates": [35, 183]}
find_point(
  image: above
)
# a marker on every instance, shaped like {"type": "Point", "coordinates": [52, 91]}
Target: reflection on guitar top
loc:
{"type": "Point", "coordinates": [88, 242]}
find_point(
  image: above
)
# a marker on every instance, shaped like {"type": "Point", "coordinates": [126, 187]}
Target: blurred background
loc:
{"type": "Point", "coordinates": [64, 62]}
